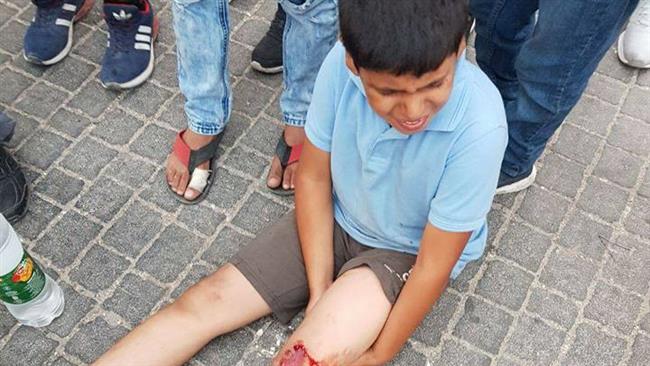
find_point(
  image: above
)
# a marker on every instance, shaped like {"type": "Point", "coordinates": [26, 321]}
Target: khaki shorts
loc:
{"type": "Point", "coordinates": [273, 264]}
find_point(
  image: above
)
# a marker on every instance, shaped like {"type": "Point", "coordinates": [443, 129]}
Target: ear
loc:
{"type": "Point", "coordinates": [349, 62]}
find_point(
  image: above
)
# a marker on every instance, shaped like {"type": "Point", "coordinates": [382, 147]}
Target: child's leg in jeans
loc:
{"type": "Point", "coordinates": [344, 323]}
{"type": "Point", "coordinates": [218, 304]}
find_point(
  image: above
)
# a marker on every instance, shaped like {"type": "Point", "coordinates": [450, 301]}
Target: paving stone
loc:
{"type": "Point", "coordinates": [236, 127]}
{"type": "Point", "coordinates": [495, 221]}
{"type": "Point", "coordinates": [462, 282]}
{"type": "Point", "coordinates": [504, 284]}
{"type": "Point", "coordinates": [611, 306]}
{"type": "Point", "coordinates": [454, 353]}
{"type": "Point", "coordinates": [644, 190]}
{"type": "Point", "coordinates": [166, 32]}
{"type": "Point", "coordinates": [42, 149]}
{"type": "Point", "coordinates": [228, 189]}
{"type": "Point", "coordinates": [60, 186]}
{"type": "Point", "coordinates": [263, 136]}
{"type": "Point", "coordinates": [130, 170]}
{"type": "Point", "coordinates": [68, 122]}
{"type": "Point", "coordinates": [69, 74]}
{"type": "Point", "coordinates": [246, 162]}
{"type": "Point", "coordinates": [544, 209]}
{"type": "Point", "coordinates": [196, 273]}
{"type": "Point", "coordinates": [640, 351]}
{"type": "Point", "coordinates": [250, 99]}
{"type": "Point", "coordinates": [98, 269]}
{"type": "Point", "coordinates": [506, 362]}
{"type": "Point", "coordinates": [6, 13]}
{"type": "Point", "coordinates": [40, 100]}
{"type": "Point", "coordinates": [155, 143]}
{"type": "Point", "coordinates": [134, 298]}
{"type": "Point", "coordinates": [39, 215]}
{"type": "Point", "coordinates": [552, 307]}
{"type": "Point", "coordinates": [524, 246]}
{"type": "Point", "coordinates": [238, 58]}
{"type": "Point", "coordinates": [88, 158]}
{"type": "Point", "coordinates": [7, 321]}
{"type": "Point", "coordinates": [258, 212]}
{"type": "Point", "coordinates": [256, 359]}
{"type": "Point", "coordinates": [25, 127]}
{"type": "Point", "coordinates": [146, 99]}
{"type": "Point", "coordinates": [93, 99]}
{"type": "Point", "coordinates": [619, 167]}
{"type": "Point", "coordinates": [636, 104]}
{"type": "Point", "coordinates": [483, 325]}
{"type": "Point", "coordinates": [133, 230]}
{"type": "Point", "coordinates": [104, 199]}
{"type": "Point", "coordinates": [585, 235]}
{"type": "Point", "coordinates": [226, 350]}
{"type": "Point", "coordinates": [273, 110]}
{"type": "Point", "coordinates": [561, 175]}
{"type": "Point", "coordinates": [435, 324]}
{"type": "Point", "coordinates": [644, 78]}
{"type": "Point", "coordinates": [603, 199]}
{"type": "Point", "coordinates": [11, 37]}
{"type": "Point", "coordinates": [611, 66]}
{"type": "Point", "coordinates": [534, 341]}
{"type": "Point", "coordinates": [271, 80]}
{"type": "Point", "coordinates": [63, 242]}
{"type": "Point", "coordinates": [577, 145]}
{"type": "Point", "coordinates": [117, 127]}
{"type": "Point", "coordinates": [165, 71]}
{"type": "Point", "coordinates": [592, 114]}
{"type": "Point", "coordinates": [92, 48]}
{"type": "Point", "coordinates": [606, 88]}
{"type": "Point", "coordinates": [169, 254]}
{"type": "Point", "coordinates": [201, 218]}
{"type": "Point", "coordinates": [568, 273]}
{"type": "Point", "coordinates": [409, 356]}
{"type": "Point", "coordinates": [28, 346]}
{"type": "Point", "coordinates": [159, 194]}
{"type": "Point", "coordinates": [593, 347]}
{"type": "Point", "coordinates": [626, 264]}
{"type": "Point", "coordinates": [251, 32]}
{"type": "Point", "coordinates": [76, 307]}
{"type": "Point", "coordinates": [60, 362]}
{"type": "Point", "coordinates": [13, 84]}
{"type": "Point", "coordinates": [638, 220]}
{"type": "Point", "coordinates": [631, 135]}
{"type": "Point", "coordinates": [174, 114]}
{"type": "Point", "coordinates": [93, 339]}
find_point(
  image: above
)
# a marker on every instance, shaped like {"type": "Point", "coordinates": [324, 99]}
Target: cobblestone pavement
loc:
{"type": "Point", "coordinates": [565, 280]}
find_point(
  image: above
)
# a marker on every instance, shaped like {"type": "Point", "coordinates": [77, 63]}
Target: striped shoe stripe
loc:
{"type": "Point", "coordinates": [142, 46]}
{"type": "Point", "coordinates": [69, 7]}
{"type": "Point", "coordinates": [144, 29]}
{"type": "Point", "coordinates": [142, 38]}
{"type": "Point", "coordinates": [60, 21]}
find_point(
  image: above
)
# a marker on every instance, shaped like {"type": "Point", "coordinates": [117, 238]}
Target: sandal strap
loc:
{"type": "Point", "coordinates": [192, 158]}
{"type": "Point", "coordinates": [287, 154]}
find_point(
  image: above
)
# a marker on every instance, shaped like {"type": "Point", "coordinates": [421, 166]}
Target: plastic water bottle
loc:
{"type": "Point", "coordinates": [29, 294]}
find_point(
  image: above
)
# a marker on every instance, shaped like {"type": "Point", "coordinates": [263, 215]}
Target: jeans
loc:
{"type": "Point", "coordinates": [541, 66]}
{"type": "Point", "coordinates": [202, 33]}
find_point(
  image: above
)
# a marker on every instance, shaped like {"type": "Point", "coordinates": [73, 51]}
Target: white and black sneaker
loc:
{"type": "Point", "coordinates": [509, 184]}
{"type": "Point", "coordinates": [267, 55]}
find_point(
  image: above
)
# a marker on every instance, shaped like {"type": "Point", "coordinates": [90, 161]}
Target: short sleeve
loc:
{"type": "Point", "coordinates": [322, 110]}
{"type": "Point", "coordinates": [468, 183]}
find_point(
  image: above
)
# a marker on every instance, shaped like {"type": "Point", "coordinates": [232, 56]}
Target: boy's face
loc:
{"type": "Point", "coordinates": [408, 102]}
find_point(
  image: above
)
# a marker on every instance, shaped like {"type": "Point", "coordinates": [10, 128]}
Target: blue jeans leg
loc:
{"type": "Point", "coordinates": [202, 31]}
{"type": "Point", "coordinates": [309, 33]}
{"type": "Point", "coordinates": [542, 68]}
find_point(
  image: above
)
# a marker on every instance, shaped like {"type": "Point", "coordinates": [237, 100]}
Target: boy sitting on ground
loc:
{"type": "Point", "coordinates": [404, 144]}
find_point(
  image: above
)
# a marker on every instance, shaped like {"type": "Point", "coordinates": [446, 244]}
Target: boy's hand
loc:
{"type": "Point", "coordinates": [314, 296]}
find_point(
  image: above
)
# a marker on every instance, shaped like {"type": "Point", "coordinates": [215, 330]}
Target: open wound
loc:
{"type": "Point", "coordinates": [297, 356]}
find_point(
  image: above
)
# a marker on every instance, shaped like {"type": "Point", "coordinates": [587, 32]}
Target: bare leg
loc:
{"type": "Point", "coordinates": [344, 323]}
{"type": "Point", "coordinates": [218, 304]}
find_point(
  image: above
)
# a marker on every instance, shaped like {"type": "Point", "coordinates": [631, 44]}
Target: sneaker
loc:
{"type": "Point", "coordinates": [129, 57]}
{"type": "Point", "coordinates": [509, 184]}
{"type": "Point", "coordinates": [634, 42]}
{"type": "Point", "coordinates": [267, 55]}
{"type": "Point", "coordinates": [48, 38]}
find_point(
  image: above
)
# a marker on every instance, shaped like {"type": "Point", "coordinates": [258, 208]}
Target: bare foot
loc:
{"type": "Point", "coordinates": [177, 174]}
{"type": "Point", "coordinates": [293, 136]}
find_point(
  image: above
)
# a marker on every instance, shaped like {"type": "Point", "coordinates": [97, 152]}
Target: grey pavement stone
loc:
{"type": "Point", "coordinates": [593, 347]}
{"type": "Point", "coordinates": [568, 273]}
{"type": "Point", "coordinates": [251, 32]}
{"type": "Point", "coordinates": [238, 58]}
{"type": "Point", "coordinates": [155, 143]}
{"type": "Point", "coordinates": [92, 48]}
{"type": "Point", "coordinates": [483, 325]}
{"type": "Point", "coordinates": [461, 283]}
{"type": "Point", "coordinates": [236, 127]}
{"type": "Point", "coordinates": [272, 81]}
{"type": "Point", "coordinates": [638, 220]}
{"type": "Point", "coordinates": [98, 269]}
{"type": "Point", "coordinates": [39, 215]}
{"type": "Point", "coordinates": [258, 212]}
{"type": "Point", "coordinates": [561, 175]}
{"type": "Point", "coordinates": [585, 235]}
{"type": "Point", "coordinates": [169, 254]}
{"type": "Point", "coordinates": [226, 350]}
{"type": "Point", "coordinates": [524, 246]}
{"type": "Point", "coordinates": [274, 110]}
{"type": "Point", "coordinates": [69, 123]}
{"type": "Point", "coordinates": [92, 99]}
{"type": "Point", "coordinates": [28, 346]}
{"type": "Point", "coordinates": [201, 218]}
{"type": "Point", "coordinates": [166, 31]}
{"type": "Point", "coordinates": [7, 321]}
{"type": "Point", "coordinates": [409, 356]}
{"type": "Point", "coordinates": [535, 341]}
{"type": "Point", "coordinates": [41, 100]}
{"type": "Point", "coordinates": [246, 162]}
{"type": "Point", "coordinates": [495, 221]}
{"type": "Point", "coordinates": [13, 84]}
{"type": "Point", "coordinates": [603, 199]}
{"type": "Point", "coordinates": [577, 145]}
{"type": "Point", "coordinates": [11, 37]}
{"type": "Point", "coordinates": [69, 74]}
{"type": "Point", "coordinates": [611, 306]}
{"type": "Point", "coordinates": [644, 190]}
{"type": "Point", "coordinates": [88, 158]}
{"type": "Point", "coordinates": [116, 127]}
{"type": "Point", "coordinates": [60, 186]}
{"type": "Point", "coordinates": [552, 307]}
{"type": "Point", "coordinates": [626, 264]}
{"type": "Point", "coordinates": [76, 307]}
{"type": "Point", "coordinates": [42, 149]}
{"type": "Point", "coordinates": [146, 99]}
{"type": "Point", "coordinates": [542, 208]}
{"type": "Point", "coordinates": [435, 324]}
{"type": "Point", "coordinates": [104, 199]}
{"type": "Point", "coordinates": [636, 104]}
{"type": "Point", "coordinates": [610, 90]}
{"type": "Point", "coordinates": [174, 113]}
{"type": "Point", "coordinates": [159, 193]}
{"type": "Point", "coordinates": [60, 362]}
{"type": "Point", "coordinates": [611, 66]}
{"type": "Point", "coordinates": [128, 169]}
{"type": "Point", "coordinates": [133, 230]}
{"type": "Point", "coordinates": [165, 70]}
{"type": "Point", "coordinates": [592, 114]}
{"type": "Point", "coordinates": [28, 67]}
{"type": "Point", "coordinates": [25, 127]}
{"type": "Point", "coordinates": [6, 13]}
{"type": "Point", "coordinates": [640, 351]}
{"type": "Point", "coordinates": [63, 242]}
{"type": "Point", "coordinates": [93, 339]}
{"type": "Point", "coordinates": [263, 136]}
{"type": "Point", "coordinates": [506, 362]}
{"type": "Point", "coordinates": [228, 189]}
{"type": "Point", "coordinates": [630, 135]}
{"type": "Point", "coordinates": [454, 353]}
{"type": "Point", "coordinates": [197, 272]}
{"type": "Point", "coordinates": [619, 167]}
{"type": "Point", "coordinates": [645, 323]}
{"type": "Point", "coordinates": [644, 78]}
{"type": "Point", "coordinates": [227, 243]}
{"type": "Point", "coordinates": [134, 298]}
{"type": "Point", "coordinates": [249, 98]}
{"type": "Point", "coordinates": [504, 284]}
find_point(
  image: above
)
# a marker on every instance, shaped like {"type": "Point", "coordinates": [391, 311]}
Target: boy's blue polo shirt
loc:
{"type": "Point", "coordinates": [386, 185]}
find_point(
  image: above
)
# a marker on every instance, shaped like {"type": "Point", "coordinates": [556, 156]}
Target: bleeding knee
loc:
{"type": "Point", "coordinates": [299, 355]}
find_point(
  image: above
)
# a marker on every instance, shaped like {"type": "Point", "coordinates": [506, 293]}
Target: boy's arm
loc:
{"type": "Point", "coordinates": [315, 219]}
{"type": "Point", "coordinates": [439, 252]}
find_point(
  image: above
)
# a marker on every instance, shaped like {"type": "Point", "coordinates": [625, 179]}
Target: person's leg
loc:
{"type": "Point", "coordinates": [310, 32]}
{"type": "Point", "coordinates": [202, 31]}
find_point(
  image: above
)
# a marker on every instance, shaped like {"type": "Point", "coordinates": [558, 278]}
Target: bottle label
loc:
{"type": "Point", "coordinates": [22, 284]}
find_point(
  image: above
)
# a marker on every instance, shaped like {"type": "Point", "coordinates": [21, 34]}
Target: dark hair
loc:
{"type": "Point", "coordinates": [402, 36]}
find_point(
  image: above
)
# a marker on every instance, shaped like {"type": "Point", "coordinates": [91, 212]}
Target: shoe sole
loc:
{"type": "Point", "coordinates": [145, 74]}
{"type": "Point", "coordinates": [520, 185]}
{"type": "Point", "coordinates": [621, 55]}
{"type": "Point", "coordinates": [85, 8]}
{"type": "Point", "coordinates": [266, 70]}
